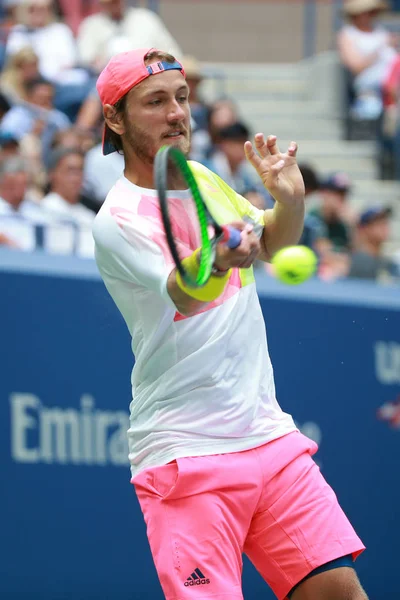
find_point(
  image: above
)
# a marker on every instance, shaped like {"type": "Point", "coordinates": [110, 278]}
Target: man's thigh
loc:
{"type": "Point", "coordinates": [299, 524]}
{"type": "Point", "coordinates": [197, 516]}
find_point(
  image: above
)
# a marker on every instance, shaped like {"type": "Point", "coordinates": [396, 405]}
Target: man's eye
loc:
{"type": "Point", "coordinates": [183, 99]}
{"type": "Point", "coordinates": [155, 102]}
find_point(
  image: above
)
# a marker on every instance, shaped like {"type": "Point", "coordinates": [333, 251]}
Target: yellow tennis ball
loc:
{"type": "Point", "coordinates": [294, 264]}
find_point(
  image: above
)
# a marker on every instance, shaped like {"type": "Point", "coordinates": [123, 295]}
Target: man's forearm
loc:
{"type": "Point", "coordinates": [283, 226]}
{"type": "Point", "coordinates": [185, 304]}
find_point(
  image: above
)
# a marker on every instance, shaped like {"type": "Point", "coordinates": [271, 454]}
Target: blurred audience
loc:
{"type": "Point", "coordinates": [367, 51]}
{"type": "Point", "coordinates": [194, 77]}
{"type": "Point", "coordinates": [71, 230]}
{"type": "Point", "coordinates": [116, 28]}
{"type": "Point", "coordinates": [20, 68]}
{"type": "Point", "coordinates": [74, 137]}
{"type": "Point", "coordinates": [9, 146]}
{"type": "Point", "coordinates": [315, 233]}
{"type": "Point", "coordinates": [52, 42]}
{"type": "Point", "coordinates": [66, 179]}
{"type": "Point", "coordinates": [4, 105]}
{"type": "Point", "coordinates": [18, 215]}
{"type": "Point", "coordinates": [221, 113]}
{"type": "Point", "coordinates": [36, 117]}
{"type": "Point", "coordinates": [54, 177]}
{"type": "Point", "coordinates": [101, 172]}
{"type": "Point", "coordinates": [334, 211]}
{"type": "Point", "coordinates": [55, 47]}
{"type": "Point", "coordinates": [229, 162]}
{"type": "Point", "coordinates": [368, 260]}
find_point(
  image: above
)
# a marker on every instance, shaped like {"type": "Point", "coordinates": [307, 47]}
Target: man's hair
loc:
{"type": "Point", "coordinates": [310, 177]}
{"type": "Point", "coordinates": [4, 104]}
{"type": "Point", "coordinates": [59, 154]}
{"type": "Point", "coordinates": [14, 164]}
{"type": "Point", "coordinates": [237, 132]}
{"type": "Point", "coordinates": [152, 56]}
{"type": "Point", "coordinates": [30, 85]}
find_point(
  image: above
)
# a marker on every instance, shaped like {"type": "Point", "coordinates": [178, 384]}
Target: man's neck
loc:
{"type": "Point", "coordinates": [12, 203]}
{"type": "Point", "coordinates": [69, 198]}
{"type": "Point", "coordinates": [370, 248]}
{"type": "Point", "coordinates": [142, 175]}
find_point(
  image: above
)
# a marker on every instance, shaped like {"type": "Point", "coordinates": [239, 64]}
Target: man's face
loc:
{"type": "Point", "coordinates": [234, 151]}
{"type": "Point", "coordinates": [67, 177]}
{"type": "Point", "coordinates": [29, 69]}
{"type": "Point", "coordinates": [14, 186]}
{"type": "Point", "coordinates": [157, 113]}
{"type": "Point", "coordinates": [333, 202]}
{"type": "Point", "coordinates": [42, 95]}
{"type": "Point", "coordinates": [39, 13]}
{"type": "Point", "coordinates": [378, 231]}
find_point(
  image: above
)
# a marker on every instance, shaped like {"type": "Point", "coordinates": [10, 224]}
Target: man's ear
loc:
{"type": "Point", "coordinates": [114, 119]}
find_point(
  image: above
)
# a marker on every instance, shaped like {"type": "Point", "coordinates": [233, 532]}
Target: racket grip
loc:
{"type": "Point", "coordinates": [232, 237]}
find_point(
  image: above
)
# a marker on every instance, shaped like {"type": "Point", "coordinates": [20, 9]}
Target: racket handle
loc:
{"type": "Point", "coordinates": [232, 237]}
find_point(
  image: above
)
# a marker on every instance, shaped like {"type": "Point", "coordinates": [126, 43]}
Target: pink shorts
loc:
{"type": "Point", "coordinates": [270, 503]}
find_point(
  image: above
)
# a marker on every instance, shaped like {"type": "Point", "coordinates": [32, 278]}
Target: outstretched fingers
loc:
{"type": "Point", "coordinates": [251, 155]}
{"type": "Point", "coordinates": [292, 150]}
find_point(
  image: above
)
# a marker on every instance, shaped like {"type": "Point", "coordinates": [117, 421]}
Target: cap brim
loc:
{"type": "Point", "coordinates": [108, 146]}
{"type": "Point", "coordinates": [382, 214]}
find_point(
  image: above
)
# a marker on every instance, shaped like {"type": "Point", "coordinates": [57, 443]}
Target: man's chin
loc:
{"type": "Point", "coordinates": [181, 142]}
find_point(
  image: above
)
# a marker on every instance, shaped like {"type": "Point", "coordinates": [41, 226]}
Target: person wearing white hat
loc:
{"type": "Point", "coordinates": [119, 28]}
{"type": "Point", "coordinates": [367, 51]}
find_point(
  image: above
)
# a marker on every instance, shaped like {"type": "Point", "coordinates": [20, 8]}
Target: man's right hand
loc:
{"type": "Point", "coordinates": [244, 255]}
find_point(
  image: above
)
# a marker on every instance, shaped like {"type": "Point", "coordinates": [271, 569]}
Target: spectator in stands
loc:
{"type": "Point", "coordinates": [367, 52]}
{"type": "Point", "coordinates": [8, 10]}
{"type": "Point", "coordinates": [333, 210]}
{"type": "Point", "coordinates": [37, 117]}
{"type": "Point", "coordinates": [222, 113]}
{"type": "Point", "coordinates": [315, 234]}
{"type": "Point", "coordinates": [71, 228]}
{"type": "Point", "coordinates": [198, 108]}
{"type": "Point", "coordinates": [368, 260]}
{"type": "Point", "coordinates": [52, 42]}
{"type": "Point", "coordinates": [20, 68]}
{"type": "Point", "coordinates": [74, 11]}
{"type": "Point", "coordinates": [330, 222]}
{"type": "Point", "coordinates": [74, 137]}
{"type": "Point", "coordinates": [117, 29]}
{"type": "Point", "coordinates": [9, 146]}
{"type": "Point", "coordinates": [55, 46]}
{"type": "Point", "coordinates": [66, 178]}
{"type": "Point", "coordinates": [90, 115]}
{"type": "Point", "coordinates": [229, 162]}
{"type": "Point", "coordinates": [100, 174]}
{"type": "Point", "coordinates": [19, 217]}
{"type": "Point", "coordinates": [4, 105]}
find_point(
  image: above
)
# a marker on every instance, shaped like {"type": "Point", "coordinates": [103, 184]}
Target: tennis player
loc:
{"type": "Point", "coordinates": [219, 469]}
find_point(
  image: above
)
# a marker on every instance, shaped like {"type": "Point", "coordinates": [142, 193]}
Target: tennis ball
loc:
{"type": "Point", "coordinates": [294, 264]}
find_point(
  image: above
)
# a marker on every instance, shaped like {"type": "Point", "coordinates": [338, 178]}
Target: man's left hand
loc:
{"type": "Point", "coordinates": [279, 172]}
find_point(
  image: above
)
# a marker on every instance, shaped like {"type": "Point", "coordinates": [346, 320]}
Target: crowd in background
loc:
{"type": "Point", "coordinates": [54, 178]}
{"type": "Point", "coordinates": [369, 52]}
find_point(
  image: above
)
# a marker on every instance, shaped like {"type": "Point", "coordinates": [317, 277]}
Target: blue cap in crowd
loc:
{"type": "Point", "coordinates": [374, 213]}
{"type": "Point", "coordinates": [336, 182]}
{"type": "Point", "coordinates": [7, 138]}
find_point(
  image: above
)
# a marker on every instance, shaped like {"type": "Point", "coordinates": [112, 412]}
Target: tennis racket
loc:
{"type": "Point", "coordinates": [188, 222]}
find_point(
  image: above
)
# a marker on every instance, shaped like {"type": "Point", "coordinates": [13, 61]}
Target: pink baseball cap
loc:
{"type": "Point", "coordinates": [122, 73]}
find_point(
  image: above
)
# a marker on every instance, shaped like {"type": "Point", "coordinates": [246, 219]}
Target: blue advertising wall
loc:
{"type": "Point", "coordinates": [70, 525]}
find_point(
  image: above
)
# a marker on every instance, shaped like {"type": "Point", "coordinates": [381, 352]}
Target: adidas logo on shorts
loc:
{"type": "Point", "coordinates": [196, 578]}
